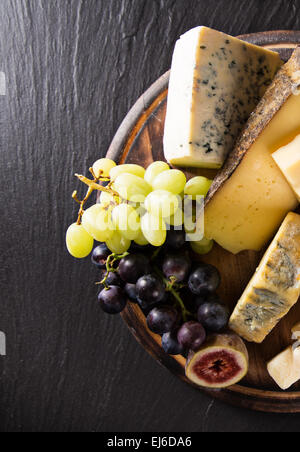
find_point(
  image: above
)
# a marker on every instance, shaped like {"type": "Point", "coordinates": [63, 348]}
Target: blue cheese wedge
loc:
{"type": "Point", "coordinates": [275, 287]}
{"type": "Point", "coordinates": [216, 82]}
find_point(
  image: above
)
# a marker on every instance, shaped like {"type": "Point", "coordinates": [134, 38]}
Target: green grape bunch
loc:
{"type": "Point", "coordinates": [135, 205]}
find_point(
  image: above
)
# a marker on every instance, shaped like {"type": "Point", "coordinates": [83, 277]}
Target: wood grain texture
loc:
{"type": "Point", "coordinates": [74, 68]}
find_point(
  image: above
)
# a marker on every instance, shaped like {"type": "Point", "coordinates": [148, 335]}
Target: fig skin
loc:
{"type": "Point", "coordinates": [219, 343]}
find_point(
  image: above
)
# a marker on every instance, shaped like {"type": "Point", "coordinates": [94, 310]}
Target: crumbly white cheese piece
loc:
{"type": "Point", "coordinates": [285, 368]}
{"type": "Point", "coordinates": [288, 160]}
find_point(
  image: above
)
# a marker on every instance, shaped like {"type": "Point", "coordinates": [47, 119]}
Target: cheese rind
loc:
{"type": "Point", "coordinates": [274, 288]}
{"type": "Point", "coordinates": [250, 196]}
{"type": "Point", "coordinates": [288, 161]}
{"type": "Point", "coordinates": [216, 82]}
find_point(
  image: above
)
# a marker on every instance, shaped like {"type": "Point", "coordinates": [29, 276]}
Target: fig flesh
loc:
{"type": "Point", "coordinates": [221, 362]}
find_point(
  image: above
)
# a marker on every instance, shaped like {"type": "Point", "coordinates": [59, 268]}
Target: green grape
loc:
{"type": "Point", "coordinates": [176, 220]}
{"type": "Point", "coordinates": [154, 229]}
{"type": "Point", "coordinates": [190, 220]}
{"type": "Point", "coordinates": [79, 242]}
{"type": "Point", "coordinates": [141, 239]}
{"type": "Point", "coordinates": [193, 228]}
{"type": "Point", "coordinates": [140, 209]}
{"type": "Point", "coordinates": [106, 198]}
{"type": "Point", "coordinates": [136, 170]}
{"type": "Point", "coordinates": [202, 247]}
{"type": "Point", "coordinates": [162, 203]}
{"type": "Point", "coordinates": [173, 181]}
{"type": "Point", "coordinates": [103, 167]}
{"type": "Point", "coordinates": [132, 188]}
{"type": "Point", "coordinates": [97, 222]}
{"type": "Point", "coordinates": [126, 219]}
{"type": "Point", "coordinates": [198, 186]}
{"type": "Point", "coordinates": [118, 244]}
{"type": "Point", "coordinates": [154, 170]}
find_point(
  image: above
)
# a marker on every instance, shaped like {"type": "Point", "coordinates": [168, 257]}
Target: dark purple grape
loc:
{"type": "Point", "coordinates": [204, 280]}
{"type": "Point", "coordinates": [163, 319]}
{"type": "Point", "coordinates": [112, 300]}
{"type": "Point", "coordinates": [150, 290]}
{"type": "Point", "coordinates": [113, 279]}
{"type": "Point", "coordinates": [213, 316]}
{"type": "Point", "coordinates": [177, 266]}
{"type": "Point", "coordinates": [175, 239]}
{"type": "Point", "coordinates": [208, 298]}
{"type": "Point", "coordinates": [191, 335]}
{"type": "Point", "coordinates": [168, 299]}
{"type": "Point", "coordinates": [134, 266]}
{"type": "Point", "coordinates": [130, 290]}
{"type": "Point", "coordinates": [146, 307]}
{"type": "Point", "coordinates": [135, 248]}
{"type": "Point", "coordinates": [171, 345]}
{"type": "Point", "coordinates": [100, 255]}
{"type": "Point", "coordinates": [188, 299]}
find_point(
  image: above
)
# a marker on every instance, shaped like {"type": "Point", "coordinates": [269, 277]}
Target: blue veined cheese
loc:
{"type": "Point", "coordinates": [274, 288]}
{"type": "Point", "coordinates": [216, 82]}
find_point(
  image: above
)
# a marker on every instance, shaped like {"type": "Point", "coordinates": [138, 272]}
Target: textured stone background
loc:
{"type": "Point", "coordinates": [74, 68]}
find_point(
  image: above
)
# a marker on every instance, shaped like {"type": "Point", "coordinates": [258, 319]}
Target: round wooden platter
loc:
{"type": "Point", "coordinates": [140, 140]}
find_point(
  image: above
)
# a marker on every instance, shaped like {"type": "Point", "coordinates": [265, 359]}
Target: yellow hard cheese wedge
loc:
{"type": "Point", "coordinates": [274, 288]}
{"type": "Point", "coordinates": [285, 368]}
{"type": "Point", "coordinates": [216, 82]}
{"type": "Point", "coordinates": [288, 160]}
{"type": "Point", "coordinates": [250, 197]}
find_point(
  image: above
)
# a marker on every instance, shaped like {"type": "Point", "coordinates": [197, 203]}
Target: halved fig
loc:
{"type": "Point", "coordinates": [221, 362]}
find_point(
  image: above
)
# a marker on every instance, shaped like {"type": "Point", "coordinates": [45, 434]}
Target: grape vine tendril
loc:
{"type": "Point", "coordinates": [92, 186]}
{"type": "Point", "coordinates": [170, 288]}
{"type": "Point", "coordinates": [111, 260]}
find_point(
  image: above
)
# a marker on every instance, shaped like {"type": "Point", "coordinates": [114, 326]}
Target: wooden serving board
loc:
{"type": "Point", "coordinates": [140, 140]}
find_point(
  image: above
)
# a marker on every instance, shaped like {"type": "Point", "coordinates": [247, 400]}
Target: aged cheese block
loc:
{"type": "Point", "coordinates": [216, 82]}
{"type": "Point", "coordinates": [250, 196]}
{"type": "Point", "coordinates": [288, 160]}
{"type": "Point", "coordinates": [274, 288]}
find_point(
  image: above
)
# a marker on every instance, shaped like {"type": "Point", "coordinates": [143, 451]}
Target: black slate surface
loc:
{"type": "Point", "coordinates": [73, 70]}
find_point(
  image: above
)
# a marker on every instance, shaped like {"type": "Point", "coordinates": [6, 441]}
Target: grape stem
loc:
{"type": "Point", "coordinates": [87, 196]}
{"type": "Point", "coordinates": [111, 260]}
{"type": "Point", "coordinates": [92, 186]}
{"type": "Point", "coordinates": [170, 288]}
{"type": "Point", "coordinates": [156, 253]}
